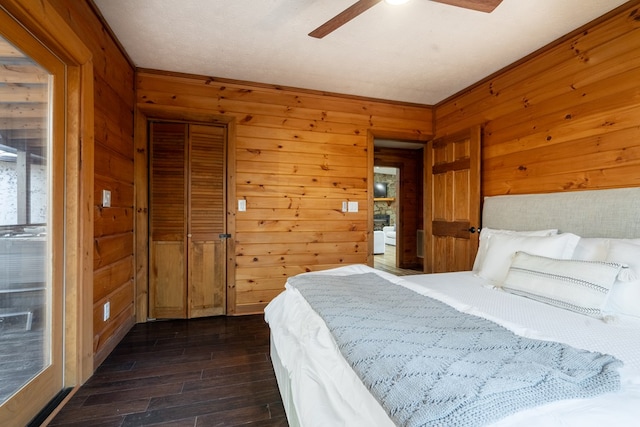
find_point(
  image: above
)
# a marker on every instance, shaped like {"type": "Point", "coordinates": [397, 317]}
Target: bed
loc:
{"type": "Point", "coordinates": [529, 245]}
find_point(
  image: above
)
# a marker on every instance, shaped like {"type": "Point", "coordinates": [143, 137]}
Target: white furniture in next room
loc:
{"type": "Point", "coordinates": [389, 235]}
{"type": "Point", "coordinates": [378, 242]}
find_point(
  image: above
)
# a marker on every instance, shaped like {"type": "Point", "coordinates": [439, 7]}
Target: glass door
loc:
{"type": "Point", "coordinates": [31, 224]}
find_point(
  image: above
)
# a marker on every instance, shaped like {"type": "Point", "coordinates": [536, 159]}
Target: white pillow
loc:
{"type": "Point", "coordinates": [576, 285]}
{"type": "Point", "coordinates": [592, 249]}
{"type": "Point", "coordinates": [502, 247]}
{"type": "Point", "coordinates": [485, 236]}
{"type": "Point", "coordinates": [625, 296]}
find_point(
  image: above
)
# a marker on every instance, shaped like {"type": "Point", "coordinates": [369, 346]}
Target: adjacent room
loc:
{"type": "Point", "coordinates": [183, 182]}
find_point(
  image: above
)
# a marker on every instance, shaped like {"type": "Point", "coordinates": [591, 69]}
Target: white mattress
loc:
{"type": "Point", "coordinates": [325, 391]}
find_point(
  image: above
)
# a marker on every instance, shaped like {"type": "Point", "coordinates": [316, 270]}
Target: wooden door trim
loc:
{"type": "Point", "coordinates": [143, 115]}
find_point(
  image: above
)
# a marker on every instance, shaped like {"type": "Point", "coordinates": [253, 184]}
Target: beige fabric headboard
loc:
{"type": "Point", "coordinates": [595, 213]}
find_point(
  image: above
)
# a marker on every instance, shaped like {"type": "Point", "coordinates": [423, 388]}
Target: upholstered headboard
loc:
{"type": "Point", "coordinates": [596, 213]}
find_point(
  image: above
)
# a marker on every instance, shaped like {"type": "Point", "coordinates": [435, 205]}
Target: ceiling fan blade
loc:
{"type": "Point", "coordinates": [342, 18]}
{"type": "Point", "coordinates": [480, 5]}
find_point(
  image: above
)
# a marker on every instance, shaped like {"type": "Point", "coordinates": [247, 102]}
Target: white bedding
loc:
{"type": "Point", "coordinates": [326, 391]}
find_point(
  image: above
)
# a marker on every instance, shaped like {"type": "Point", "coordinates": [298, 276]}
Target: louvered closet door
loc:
{"type": "Point", "coordinates": [168, 217]}
{"type": "Point", "coordinates": [188, 255]}
{"type": "Point", "coordinates": [207, 254]}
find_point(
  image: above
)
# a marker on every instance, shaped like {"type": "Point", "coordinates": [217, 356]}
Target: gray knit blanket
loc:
{"type": "Point", "coordinates": [431, 365]}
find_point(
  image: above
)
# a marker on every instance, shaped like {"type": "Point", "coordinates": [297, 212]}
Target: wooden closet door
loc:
{"type": "Point", "coordinates": [188, 221]}
{"type": "Point", "coordinates": [206, 221]}
{"type": "Point", "coordinates": [168, 215]}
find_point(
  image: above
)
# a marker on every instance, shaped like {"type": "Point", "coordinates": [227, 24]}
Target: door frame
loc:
{"type": "Point", "coordinates": [143, 115]}
{"type": "Point", "coordinates": [411, 137]}
{"type": "Point", "coordinates": [44, 23]}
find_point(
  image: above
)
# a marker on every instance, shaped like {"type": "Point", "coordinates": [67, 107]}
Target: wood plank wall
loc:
{"type": "Point", "coordinates": [299, 154]}
{"type": "Point", "coordinates": [565, 119]}
{"type": "Point", "coordinates": [113, 227]}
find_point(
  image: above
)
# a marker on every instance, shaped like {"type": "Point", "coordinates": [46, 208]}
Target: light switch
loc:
{"type": "Point", "coordinates": [344, 206]}
{"type": "Point", "coordinates": [242, 205]}
{"type": "Point", "coordinates": [106, 311]}
{"type": "Point", "coordinates": [352, 207]}
{"type": "Point", "coordinates": [106, 198]}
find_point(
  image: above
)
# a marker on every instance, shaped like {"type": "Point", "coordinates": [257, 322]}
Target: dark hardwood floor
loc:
{"type": "Point", "coordinates": [201, 372]}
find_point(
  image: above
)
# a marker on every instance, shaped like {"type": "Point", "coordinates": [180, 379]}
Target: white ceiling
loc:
{"type": "Point", "coordinates": [421, 52]}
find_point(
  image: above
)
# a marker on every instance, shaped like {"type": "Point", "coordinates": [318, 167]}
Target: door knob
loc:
{"type": "Point", "coordinates": [473, 230]}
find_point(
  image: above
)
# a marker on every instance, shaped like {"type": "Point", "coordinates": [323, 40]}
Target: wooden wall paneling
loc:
{"type": "Point", "coordinates": [555, 120]}
{"type": "Point", "coordinates": [566, 59]}
{"type": "Point", "coordinates": [208, 92]}
{"type": "Point", "coordinates": [112, 277]}
{"type": "Point", "coordinates": [298, 155]}
{"type": "Point", "coordinates": [112, 113]}
{"type": "Point", "coordinates": [120, 299]}
{"type": "Point", "coordinates": [574, 111]}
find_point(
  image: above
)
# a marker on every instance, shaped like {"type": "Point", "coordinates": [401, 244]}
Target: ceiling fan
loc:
{"type": "Point", "coordinates": [362, 5]}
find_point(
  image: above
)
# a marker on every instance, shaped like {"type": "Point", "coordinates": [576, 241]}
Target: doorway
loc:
{"type": "Point", "coordinates": [397, 205]}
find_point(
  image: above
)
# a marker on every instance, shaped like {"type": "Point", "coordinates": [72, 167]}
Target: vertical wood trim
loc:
{"type": "Point", "coordinates": [231, 185]}
{"type": "Point", "coordinates": [370, 165]}
{"type": "Point", "coordinates": [428, 208]}
{"type": "Point", "coordinates": [79, 252]}
{"type": "Point", "coordinates": [141, 223]}
{"type": "Point", "coordinates": [475, 185]}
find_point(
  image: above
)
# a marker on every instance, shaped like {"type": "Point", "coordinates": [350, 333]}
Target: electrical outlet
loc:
{"type": "Point", "coordinates": [106, 198]}
{"type": "Point", "coordinates": [106, 311]}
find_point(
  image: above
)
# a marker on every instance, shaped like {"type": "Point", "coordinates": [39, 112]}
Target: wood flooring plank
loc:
{"type": "Point", "coordinates": [241, 378]}
{"type": "Point", "coordinates": [125, 395]}
{"type": "Point", "coordinates": [230, 390]}
{"type": "Point", "coordinates": [99, 422]}
{"type": "Point", "coordinates": [97, 412]}
{"type": "Point", "coordinates": [198, 409]}
{"type": "Point", "coordinates": [238, 369]}
{"type": "Point", "coordinates": [236, 416]}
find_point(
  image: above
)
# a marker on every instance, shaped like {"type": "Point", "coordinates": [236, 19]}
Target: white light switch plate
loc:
{"type": "Point", "coordinates": [106, 198]}
{"type": "Point", "coordinates": [353, 207]}
{"type": "Point", "coordinates": [344, 206]}
{"type": "Point", "coordinates": [242, 205]}
{"type": "Point", "coordinates": [106, 311]}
